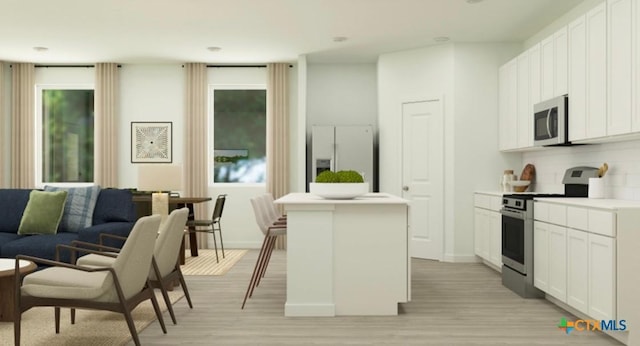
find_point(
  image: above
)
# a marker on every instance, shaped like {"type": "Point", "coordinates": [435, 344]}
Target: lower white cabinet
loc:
{"type": "Point", "coordinates": [602, 269]}
{"type": "Point", "coordinates": [488, 229]}
{"type": "Point", "coordinates": [577, 270]}
{"type": "Point", "coordinates": [573, 262]}
{"type": "Point", "coordinates": [550, 259]}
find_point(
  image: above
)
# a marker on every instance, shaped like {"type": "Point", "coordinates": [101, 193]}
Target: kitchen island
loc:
{"type": "Point", "coordinates": [346, 257]}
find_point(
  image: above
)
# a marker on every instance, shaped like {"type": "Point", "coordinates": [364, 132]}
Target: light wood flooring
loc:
{"type": "Point", "coordinates": [452, 304]}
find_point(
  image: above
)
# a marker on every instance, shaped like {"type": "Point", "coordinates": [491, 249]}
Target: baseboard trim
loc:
{"type": "Point", "coordinates": [460, 258]}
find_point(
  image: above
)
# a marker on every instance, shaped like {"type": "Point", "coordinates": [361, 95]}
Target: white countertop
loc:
{"type": "Point", "coordinates": [369, 198]}
{"type": "Point", "coordinates": [601, 203]}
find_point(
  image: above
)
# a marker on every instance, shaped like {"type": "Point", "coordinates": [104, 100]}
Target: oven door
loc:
{"type": "Point", "coordinates": [513, 240]}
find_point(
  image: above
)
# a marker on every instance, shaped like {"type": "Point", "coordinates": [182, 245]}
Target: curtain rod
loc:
{"type": "Point", "coordinates": [74, 66]}
{"type": "Point", "coordinates": [237, 66]}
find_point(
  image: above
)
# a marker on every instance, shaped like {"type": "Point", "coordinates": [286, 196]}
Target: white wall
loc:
{"type": "Point", "coordinates": [466, 76]}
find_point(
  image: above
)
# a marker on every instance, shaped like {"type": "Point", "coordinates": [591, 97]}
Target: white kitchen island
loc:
{"type": "Point", "coordinates": [346, 257]}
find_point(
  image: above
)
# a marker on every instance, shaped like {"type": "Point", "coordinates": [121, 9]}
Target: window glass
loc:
{"type": "Point", "coordinates": [67, 135]}
{"type": "Point", "coordinates": [239, 133]}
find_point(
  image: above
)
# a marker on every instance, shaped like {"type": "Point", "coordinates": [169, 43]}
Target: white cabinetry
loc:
{"type": "Point", "coordinates": [508, 107]}
{"type": "Point", "coordinates": [554, 65]}
{"type": "Point", "coordinates": [488, 229]}
{"type": "Point", "coordinates": [620, 69]}
{"type": "Point", "coordinates": [577, 263]}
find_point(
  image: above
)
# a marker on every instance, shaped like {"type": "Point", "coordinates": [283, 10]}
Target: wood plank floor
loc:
{"type": "Point", "coordinates": [452, 304]}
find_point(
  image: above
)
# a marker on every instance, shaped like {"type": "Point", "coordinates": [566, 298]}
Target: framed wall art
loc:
{"type": "Point", "coordinates": [151, 142]}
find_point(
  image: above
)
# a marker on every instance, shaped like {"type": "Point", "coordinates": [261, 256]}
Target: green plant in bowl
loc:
{"type": "Point", "coordinates": [349, 177]}
{"type": "Point", "coordinates": [327, 177]}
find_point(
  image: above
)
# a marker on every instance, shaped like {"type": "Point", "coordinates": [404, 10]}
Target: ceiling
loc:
{"type": "Point", "coordinates": [256, 31]}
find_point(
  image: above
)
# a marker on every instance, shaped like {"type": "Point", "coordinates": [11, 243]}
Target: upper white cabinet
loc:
{"type": "Point", "coordinates": [554, 65]}
{"type": "Point", "coordinates": [595, 59]}
{"type": "Point", "coordinates": [508, 107]}
{"type": "Point", "coordinates": [620, 66]}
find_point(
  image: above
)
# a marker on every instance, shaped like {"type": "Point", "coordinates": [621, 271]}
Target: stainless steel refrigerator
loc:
{"type": "Point", "coordinates": [346, 147]}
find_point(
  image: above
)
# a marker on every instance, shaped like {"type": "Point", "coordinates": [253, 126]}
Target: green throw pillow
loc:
{"type": "Point", "coordinates": [43, 212]}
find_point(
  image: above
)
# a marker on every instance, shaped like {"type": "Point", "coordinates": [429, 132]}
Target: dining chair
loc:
{"type": "Point", "coordinates": [165, 270]}
{"type": "Point", "coordinates": [118, 288]}
{"type": "Point", "coordinates": [271, 230]}
{"type": "Point", "coordinates": [211, 225]}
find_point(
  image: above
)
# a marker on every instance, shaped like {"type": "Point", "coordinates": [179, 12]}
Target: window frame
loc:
{"type": "Point", "coordinates": [211, 140]}
{"type": "Point", "coordinates": [39, 183]}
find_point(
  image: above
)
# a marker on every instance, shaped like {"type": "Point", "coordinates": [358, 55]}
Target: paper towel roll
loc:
{"type": "Point", "coordinates": [596, 188]}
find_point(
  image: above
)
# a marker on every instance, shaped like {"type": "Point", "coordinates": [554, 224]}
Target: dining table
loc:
{"type": "Point", "coordinates": [143, 208]}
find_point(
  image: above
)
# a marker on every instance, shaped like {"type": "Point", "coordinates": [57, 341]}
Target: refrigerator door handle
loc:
{"type": "Point", "coordinates": [334, 158]}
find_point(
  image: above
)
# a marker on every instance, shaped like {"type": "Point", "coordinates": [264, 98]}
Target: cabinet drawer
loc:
{"type": "Point", "coordinates": [558, 214]}
{"type": "Point", "coordinates": [482, 201]}
{"type": "Point", "coordinates": [541, 211]}
{"type": "Point", "coordinates": [496, 203]}
{"type": "Point", "coordinates": [602, 222]}
{"type": "Point", "coordinates": [577, 218]}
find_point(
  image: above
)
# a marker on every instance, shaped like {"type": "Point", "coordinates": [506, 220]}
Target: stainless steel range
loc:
{"type": "Point", "coordinates": [517, 231]}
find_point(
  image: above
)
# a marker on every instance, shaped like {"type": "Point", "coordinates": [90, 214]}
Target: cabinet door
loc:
{"type": "Point", "coordinates": [508, 105]}
{"type": "Point", "coordinates": [602, 268]}
{"type": "Point", "coordinates": [635, 24]}
{"type": "Point", "coordinates": [596, 23]}
{"type": "Point", "coordinates": [541, 255]}
{"type": "Point", "coordinates": [477, 231]}
{"type": "Point", "coordinates": [560, 61]}
{"type": "Point", "coordinates": [619, 88]}
{"type": "Point", "coordinates": [525, 110]}
{"type": "Point", "coordinates": [577, 32]}
{"type": "Point", "coordinates": [557, 262]}
{"type": "Point", "coordinates": [577, 270]}
{"type": "Point", "coordinates": [547, 66]}
{"type": "Point", "coordinates": [535, 76]}
{"type": "Point", "coordinates": [495, 229]}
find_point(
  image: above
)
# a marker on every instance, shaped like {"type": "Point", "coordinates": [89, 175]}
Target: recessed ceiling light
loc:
{"type": "Point", "coordinates": [339, 39]}
{"type": "Point", "coordinates": [474, 1]}
{"type": "Point", "coordinates": [441, 39]}
{"type": "Point", "coordinates": [214, 49]}
{"type": "Point", "coordinates": [40, 49]}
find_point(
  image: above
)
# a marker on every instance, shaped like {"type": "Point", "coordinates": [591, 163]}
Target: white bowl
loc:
{"type": "Point", "coordinates": [338, 190]}
{"type": "Point", "coordinates": [519, 182]}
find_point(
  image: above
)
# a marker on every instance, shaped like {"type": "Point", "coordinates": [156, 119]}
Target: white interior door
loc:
{"type": "Point", "coordinates": [423, 177]}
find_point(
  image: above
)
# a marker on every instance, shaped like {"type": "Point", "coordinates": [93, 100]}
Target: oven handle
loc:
{"type": "Point", "coordinates": [513, 214]}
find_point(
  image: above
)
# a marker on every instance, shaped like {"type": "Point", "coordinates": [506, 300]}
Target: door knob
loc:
{"type": "Point", "coordinates": [405, 188]}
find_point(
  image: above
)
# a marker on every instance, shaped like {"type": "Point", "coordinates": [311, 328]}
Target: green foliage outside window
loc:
{"type": "Point", "coordinates": [240, 127]}
{"type": "Point", "coordinates": [67, 136]}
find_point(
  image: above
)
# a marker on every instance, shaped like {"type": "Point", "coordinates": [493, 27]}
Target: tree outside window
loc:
{"type": "Point", "coordinates": [239, 126]}
{"type": "Point", "coordinates": [67, 135]}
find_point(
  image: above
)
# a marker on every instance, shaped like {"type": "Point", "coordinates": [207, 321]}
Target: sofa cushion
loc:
{"type": "Point", "coordinates": [43, 212]}
{"type": "Point", "coordinates": [114, 205]}
{"type": "Point", "coordinates": [5, 238]}
{"type": "Point", "coordinates": [40, 245]}
{"type": "Point", "coordinates": [12, 204]}
{"type": "Point", "coordinates": [78, 210]}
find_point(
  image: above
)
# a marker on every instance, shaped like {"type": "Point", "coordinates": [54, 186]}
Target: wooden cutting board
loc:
{"type": "Point", "coordinates": [528, 173]}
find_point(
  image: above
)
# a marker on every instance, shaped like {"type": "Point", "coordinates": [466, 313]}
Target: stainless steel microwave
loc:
{"type": "Point", "coordinates": [550, 122]}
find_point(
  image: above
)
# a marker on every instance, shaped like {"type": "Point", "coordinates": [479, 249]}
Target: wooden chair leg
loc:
{"type": "Point", "coordinates": [165, 295]}
{"type": "Point", "coordinates": [273, 245]}
{"type": "Point", "coordinates": [255, 271]}
{"type": "Point", "coordinates": [263, 258]}
{"type": "Point", "coordinates": [17, 316]}
{"type": "Point", "coordinates": [57, 318]}
{"type": "Point", "coordinates": [263, 269]}
{"type": "Point", "coordinates": [184, 286]}
{"type": "Point", "coordinates": [131, 325]}
{"type": "Point", "coordinates": [73, 316]}
{"type": "Point", "coordinates": [156, 307]}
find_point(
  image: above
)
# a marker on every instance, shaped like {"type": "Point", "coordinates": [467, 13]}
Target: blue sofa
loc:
{"type": "Point", "coordinates": [114, 213]}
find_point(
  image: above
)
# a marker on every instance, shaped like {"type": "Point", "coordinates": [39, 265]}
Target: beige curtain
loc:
{"type": "Point", "coordinates": [106, 125]}
{"type": "Point", "coordinates": [278, 133]}
{"type": "Point", "coordinates": [22, 126]}
{"type": "Point", "coordinates": [3, 141]}
{"type": "Point", "coordinates": [195, 158]}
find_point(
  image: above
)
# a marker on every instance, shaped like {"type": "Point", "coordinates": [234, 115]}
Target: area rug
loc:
{"type": "Point", "coordinates": [92, 327]}
{"type": "Point", "coordinates": [205, 262]}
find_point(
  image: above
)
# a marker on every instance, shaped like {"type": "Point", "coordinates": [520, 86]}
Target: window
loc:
{"type": "Point", "coordinates": [239, 134]}
{"type": "Point", "coordinates": [67, 136]}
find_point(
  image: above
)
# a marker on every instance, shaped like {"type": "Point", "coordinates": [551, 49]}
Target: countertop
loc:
{"type": "Point", "coordinates": [369, 198]}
